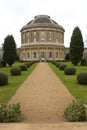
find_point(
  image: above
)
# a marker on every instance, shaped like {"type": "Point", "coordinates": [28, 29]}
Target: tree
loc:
{"type": "Point", "coordinates": [9, 50]}
{"type": "Point", "coordinates": [67, 57]}
{"type": "Point", "coordinates": [76, 46]}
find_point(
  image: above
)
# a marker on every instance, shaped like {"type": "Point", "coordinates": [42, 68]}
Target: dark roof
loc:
{"type": "Point", "coordinates": [42, 21]}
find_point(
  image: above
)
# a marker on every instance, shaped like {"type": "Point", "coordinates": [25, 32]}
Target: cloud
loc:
{"type": "Point", "coordinates": [17, 13]}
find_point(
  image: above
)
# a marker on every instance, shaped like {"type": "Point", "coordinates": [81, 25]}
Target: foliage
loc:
{"type": "Point", "coordinates": [58, 64]}
{"type": "Point", "coordinates": [76, 46]}
{"type": "Point", "coordinates": [23, 67]}
{"type": "Point", "coordinates": [75, 111]}
{"type": "Point", "coordinates": [2, 63]}
{"type": "Point", "coordinates": [10, 113]}
{"type": "Point", "coordinates": [84, 62]}
{"type": "Point", "coordinates": [62, 66]}
{"type": "Point", "coordinates": [77, 90]}
{"type": "Point", "coordinates": [69, 70]}
{"type": "Point", "coordinates": [3, 79]}
{"type": "Point", "coordinates": [82, 78]}
{"type": "Point", "coordinates": [67, 57]}
{"type": "Point", "coordinates": [9, 50]}
{"type": "Point", "coordinates": [15, 71]}
{"type": "Point", "coordinates": [15, 82]}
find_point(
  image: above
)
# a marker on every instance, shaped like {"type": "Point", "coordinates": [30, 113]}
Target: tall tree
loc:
{"type": "Point", "coordinates": [76, 46]}
{"type": "Point", "coordinates": [9, 50]}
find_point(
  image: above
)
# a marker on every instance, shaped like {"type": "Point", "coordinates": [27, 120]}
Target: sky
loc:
{"type": "Point", "coordinates": [14, 14]}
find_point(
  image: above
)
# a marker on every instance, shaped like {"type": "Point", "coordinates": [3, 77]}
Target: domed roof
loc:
{"type": "Point", "coordinates": [42, 21]}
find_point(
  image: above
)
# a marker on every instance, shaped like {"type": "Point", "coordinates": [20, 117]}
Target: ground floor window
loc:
{"type": "Point", "coordinates": [28, 55]}
{"type": "Point", "coordinates": [34, 54]}
{"type": "Point", "coordinates": [50, 54]}
{"type": "Point", "coordinates": [42, 54]}
{"type": "Point", "coordinates": [56, 54]}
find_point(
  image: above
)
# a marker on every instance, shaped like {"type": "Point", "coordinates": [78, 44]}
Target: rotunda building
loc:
{"type": "Point", "coordinates": [42, 39]}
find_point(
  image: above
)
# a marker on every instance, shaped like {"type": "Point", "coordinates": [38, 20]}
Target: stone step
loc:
{"type": "Point", "coordinates": [59, 126]}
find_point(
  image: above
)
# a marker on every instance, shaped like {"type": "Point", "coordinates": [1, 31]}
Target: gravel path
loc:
{"type": "Point", "coordinates": [43, 97]}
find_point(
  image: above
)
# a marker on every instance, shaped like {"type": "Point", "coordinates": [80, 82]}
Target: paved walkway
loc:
{"type": "Point", "coordinates": [43, 97]}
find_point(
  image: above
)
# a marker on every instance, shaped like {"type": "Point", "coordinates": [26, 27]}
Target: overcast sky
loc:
{"type": "Point", "coordinates": [14, 14]}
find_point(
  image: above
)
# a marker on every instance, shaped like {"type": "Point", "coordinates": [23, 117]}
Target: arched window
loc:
{"type": "Point", "coordinates": [34, 54]}
{"type": "Point", "coordinates": [50, 54]}
{"type": "Point", "coordinates": [56, 54]}
{"type": "Point", "coordinates": [28, 55]}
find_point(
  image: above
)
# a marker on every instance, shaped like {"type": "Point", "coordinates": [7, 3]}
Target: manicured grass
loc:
{"type": "Point", "coordinates": [14, 82]}
{"type": "Point", "coordinates": [70, 81]}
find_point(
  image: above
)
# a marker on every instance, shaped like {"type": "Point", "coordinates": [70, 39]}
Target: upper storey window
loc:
{"type": "Point", "coordinates": [56, 40]}
{"type": "Point", "coordinates": [42, 33]}
{"type": "Point", "coordinates": [34, 33]}
{"type": "Point", "coordinates": [34, 39]}
{"type": "Point", "coordinates": [50, 39]}
{"type": "Point", "coordinates": [42, 39]}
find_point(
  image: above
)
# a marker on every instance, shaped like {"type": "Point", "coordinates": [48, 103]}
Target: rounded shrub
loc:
{"type": "Point", "coordinates": [82, 78]}
{"type": "Point", "coordinates": [62, 66]}
{"type": "Point", "coordinates": [10, 113]}
{"type": "Point", "coordinates": [15, 71]}
{"type": "Point", "coordinates": [23, 67]}
{"type": "Point", "coordinates": [3, 79]}
{"type": "Point", "coordinates": [27, 64]}
{"type": "Point", "coordinates": [75, 111]}
{"type": "Point", "coordinates": [58, 64]}
{"type": "Point", "coordinates": [70, 70]}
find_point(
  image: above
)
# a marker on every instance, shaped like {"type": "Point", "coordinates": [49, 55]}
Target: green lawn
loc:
{"type": "Point", "coordinates": [77, 90]}
{"type": "Point", "coordinates": [14, 82]}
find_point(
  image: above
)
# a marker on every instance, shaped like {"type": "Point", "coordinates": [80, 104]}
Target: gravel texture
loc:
{"type": "Point", "coordinates": [43, 97]}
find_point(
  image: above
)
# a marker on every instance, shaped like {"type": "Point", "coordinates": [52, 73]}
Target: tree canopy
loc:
{"type": "Point", "coordinates": [76, 46]}
{"type": "Point", "coordinates": [9, 50]}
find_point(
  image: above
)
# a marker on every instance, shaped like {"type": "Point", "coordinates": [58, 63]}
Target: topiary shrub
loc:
{"type": "Point", "coordinates": [82, 78]}
{"type": "Point", "coordinates": [23, 67]}
{"type": "Point", "coordinates": [70, 70]}
{"type": "Point", "coordinates": [15, 71]}
{"type": "Point", "coordinates": [27, 64]}
{"type": "Point", "coordinates": [3, 79]}
{"type": "Point", "coordinates": [75, 111]}
{"type": "Point", "coordinates": [62, 66]}
{"type": "Point", "coordinates": [58, 64]}
{"type": "Point", "coordinates": [10, 113]}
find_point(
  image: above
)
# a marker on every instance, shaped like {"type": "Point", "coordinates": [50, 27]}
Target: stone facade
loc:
{"type": "Point", "coordinates": [42, 39]}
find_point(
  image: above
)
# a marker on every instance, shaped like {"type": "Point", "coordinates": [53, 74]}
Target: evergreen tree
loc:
{"type": "Point", "coordinates": [76, 46]}
{"type": "Point", "coordinates": [9, 50]}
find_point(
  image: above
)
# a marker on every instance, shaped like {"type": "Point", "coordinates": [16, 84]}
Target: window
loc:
{"type": "Point", "coordinates": [50, 54]}
{"type": "Point", "coordinates": [34, 33]}
{"type": "Point", "coordinates": [28, 55]}
{"type": "Point", "coordinates": [56, 40]}
{"type": "Point", "coordinates": [49, 39]}
{"type": "Point", "coordinates": [34, 39]}
{"type": "Point", "coordinates": [28, 40]}
{"type": "Point", "coordinates": [42, 39]}
{"type": "Point", "coordinates": [56, 54]}
{"type": "Point", "coordinates": [42, 33]}
{"type": "Point", "coordinates": [34, 54]}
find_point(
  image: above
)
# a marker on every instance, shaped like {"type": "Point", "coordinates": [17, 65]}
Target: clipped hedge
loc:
{"type": "Point", "coordinates": [82, 78]}
{"type": "Point", "coordinates": [3, 79]}
{"type": "Point", "coordinates": [70, 70]}
{"type": "Point", "coordinates": [10, 113]}
{"type": "Point", "coordinates": [23, 67]}
{"type": "Point", "coordinates": [75, 111]}
{"type": "Point", "coordinates": [62, 66]}
{"type": "Point", "coordinates": [15, 71]}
